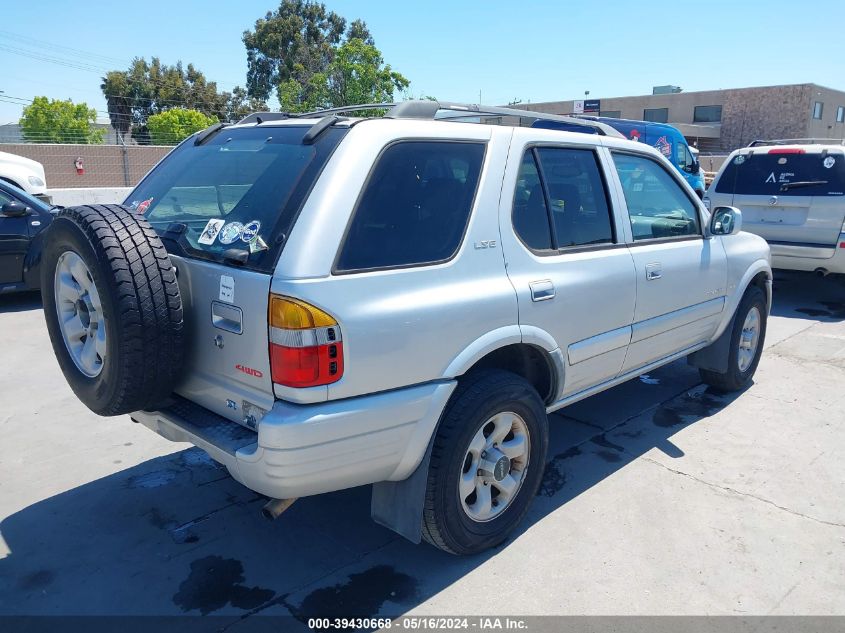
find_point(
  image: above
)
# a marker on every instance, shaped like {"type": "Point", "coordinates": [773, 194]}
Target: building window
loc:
{"type": "Point", "coordinates": [818, 108]}
{"type": "Point", "coordinates": [707, 114]}
{"type": "Point", "coordinates": [840, 114]}
{"type": "Point", "coordinates": [613, 114]}
{"type": "Point", "coordinates": [656, 115]}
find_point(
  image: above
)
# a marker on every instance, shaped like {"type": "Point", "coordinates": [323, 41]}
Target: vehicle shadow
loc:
{"type": "Point", "coordinates": [20, 302]}
{"type": "Point", "coordinates": [806, 295]}
{"type": "Point", "coordinates": [177, 535]}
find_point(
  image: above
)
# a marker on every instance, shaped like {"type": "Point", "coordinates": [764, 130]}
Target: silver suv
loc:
{"type": "Point", "coordinates": [322, 302]}
{"type": "Point", "coordinates": [792, 193]}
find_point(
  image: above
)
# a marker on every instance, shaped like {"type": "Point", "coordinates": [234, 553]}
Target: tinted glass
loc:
{"type": "Point", "coordinates": [818, 109]}
{"type": "Point", "coordinates": [530, 214]}
{"type": "Point", "coordinates": [840, 114]}
{"type": "Point", "coordinates": [257, 176]}
{"type": "Point", "coordinates": [415, 206]}
{"type": "Point", "coordinates": [657, 205]}
{"type": "Point", "coordinates": [707, 114]}
{"type": "Point", "coordinates": [579, 208]}
{"type": "Point", "coordinates": [656, 115]}
{"type": "Point", "coordinates": [776, 174]}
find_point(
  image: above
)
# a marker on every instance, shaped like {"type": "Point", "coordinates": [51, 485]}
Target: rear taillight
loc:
{"type": "Point", "coordinates": [306, 349]}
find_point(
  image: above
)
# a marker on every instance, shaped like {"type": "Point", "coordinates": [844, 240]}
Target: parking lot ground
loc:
{"type": "Point", "coordinates": [660, 497]}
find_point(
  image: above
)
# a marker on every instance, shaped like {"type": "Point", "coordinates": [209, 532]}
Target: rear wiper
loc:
{"type": "Point", "coordinates": [801, 183]}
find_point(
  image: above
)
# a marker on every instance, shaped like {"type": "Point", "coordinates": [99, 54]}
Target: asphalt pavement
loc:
{"type": "Point", "coordinates": [660, 497]}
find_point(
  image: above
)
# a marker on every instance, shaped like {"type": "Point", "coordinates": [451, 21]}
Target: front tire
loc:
{"type": "Point", "coordinates": [746, 347]}
{"type": "Point", "coordinates": [487, 462]}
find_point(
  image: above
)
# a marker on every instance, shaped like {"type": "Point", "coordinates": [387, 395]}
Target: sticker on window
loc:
{"type": "Point", "coordinates": [829, 162]}
{"type": "Point", "coordinates": [209, 233]}
{"type": "Point", "coordinates": [739, 160]}
{"type": "Point", "coordinates": [250, 231]}
{"type": "Point", "coordinates": [143, 206]}
{"type": "Point", "coordinates": [257, 245]}
{"type": "Point", "coordinates": [227, 288]}
{"type": "Point", "coordinates": [231, 232]}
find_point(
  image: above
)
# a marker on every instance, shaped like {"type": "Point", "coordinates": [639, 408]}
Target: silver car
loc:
{"type": "Point", "coordinates": [791, 193]}
{"type": "Point", "coordinates": [322, 302]}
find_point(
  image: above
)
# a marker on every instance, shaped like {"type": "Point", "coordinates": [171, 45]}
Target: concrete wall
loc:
{"type": "Point", "coordinates": [105, 165]}
{"type": "Point", "coordinates": [92, 195]}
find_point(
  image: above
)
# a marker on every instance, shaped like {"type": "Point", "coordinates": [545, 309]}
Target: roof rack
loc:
{"type": "Point", "coordinates": [797, 141]}
{"type": "Point", "coordinates": [428, 110]}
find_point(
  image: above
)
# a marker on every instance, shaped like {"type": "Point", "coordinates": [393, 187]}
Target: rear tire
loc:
{"type": "Point", "coordinates": [494, 401]}
{"type": "Point", "coordinates": [748, 329]}
{"type": "Point", "coordinates": [113, 309]}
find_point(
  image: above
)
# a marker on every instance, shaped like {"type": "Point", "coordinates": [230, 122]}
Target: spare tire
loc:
{"type": "Point", "coordinates": [113, 309]}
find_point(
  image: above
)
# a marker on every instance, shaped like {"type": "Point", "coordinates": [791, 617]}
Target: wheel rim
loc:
{"type": "Point", "coordinates": [749, 338]}
{"type": "Point", "coordinates": [494, 466]}
{"type": "Point", "coordinates": [80, 314]}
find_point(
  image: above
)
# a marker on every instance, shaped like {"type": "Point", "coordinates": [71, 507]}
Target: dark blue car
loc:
{"type": "Point", "coordinates": [22, 219]}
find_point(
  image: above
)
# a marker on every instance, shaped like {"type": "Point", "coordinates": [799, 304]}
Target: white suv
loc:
{"type": "Point", "coordinates": [322, 302]}
{"type": "Point", "coordinates": [792, 193]}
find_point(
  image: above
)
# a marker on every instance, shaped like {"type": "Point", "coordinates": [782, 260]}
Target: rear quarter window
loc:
{"type": "Point", "coordinates": [784, 174]}
{"type": "Point", "coordinates": [414, 207]}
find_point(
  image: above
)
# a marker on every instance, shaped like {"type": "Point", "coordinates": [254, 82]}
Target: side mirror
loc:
{"type": "Point", "coordinates": [726, 221]}
{"type": "Point", "coordinates": [14, 209]}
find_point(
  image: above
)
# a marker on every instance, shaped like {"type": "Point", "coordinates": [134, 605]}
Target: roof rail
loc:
{"type": "Point", "coordinates": [428, 110]}
{"type": "Point", "coordinates": [797, 141]}
{"type": "Point", "coordinates": [260, 117]}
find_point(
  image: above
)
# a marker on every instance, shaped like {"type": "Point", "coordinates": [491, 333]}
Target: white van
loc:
{"type": "Point", "coordinates": [26, 174]}
{"type": "Point", "coordinates": [792, 193]}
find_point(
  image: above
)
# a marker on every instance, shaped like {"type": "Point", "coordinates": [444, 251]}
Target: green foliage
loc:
{"type": "Point", "coordinates": [172, 126]}
{"type": "Point", "coordinates": [151, 88]}
{"type": "Point", "coordinates": [312, 60]}
{"type": "Point", "coordinates": [53, 121]}
{"type": "Point", "coordinates": [357, 74]}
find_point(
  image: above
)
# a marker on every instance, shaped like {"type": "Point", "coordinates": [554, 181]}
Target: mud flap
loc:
{"type": "Point", "coordinates": [715, 357]}
{"type": "Point", "coordinates": [398, 505]}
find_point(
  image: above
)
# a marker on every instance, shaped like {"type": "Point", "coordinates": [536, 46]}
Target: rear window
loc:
{"type": "Point", "coordinates": [784, 174]}
{"type": "Point", "coordinates": [415, 206]}
{"type": "Point", "coordinates": [235, 197]}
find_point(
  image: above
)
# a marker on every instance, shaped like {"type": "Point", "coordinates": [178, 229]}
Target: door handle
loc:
{"type": "Point", "coordinates": [653, 271]}
{"type": "Point", "coordinates": [227, 317]}
{"type": "Point", "coordinates": [542, 290]}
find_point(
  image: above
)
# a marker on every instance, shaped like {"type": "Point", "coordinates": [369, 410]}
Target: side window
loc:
{"type": "Point", "coordinates": [684, 157]}
{"type": "Point", "coordinates": [415, 206]}
{"type": "Point", "coordinates": [530, 214]}
{"type": "Point", "coordinates": [4, 198]}
{"type": "Point", "coordinates": [578, 203]}
{"type": "Point", "coordinates": [657, 205]}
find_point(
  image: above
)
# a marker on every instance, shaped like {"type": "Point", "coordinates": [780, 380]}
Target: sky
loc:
{"type": "Point", "coordinates": [457, 51]}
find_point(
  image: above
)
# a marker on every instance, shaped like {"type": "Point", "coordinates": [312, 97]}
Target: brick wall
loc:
{"type": "Point", "coordinates": [764, 113]}
{"type": "Point", "coordinates": [104, 164]}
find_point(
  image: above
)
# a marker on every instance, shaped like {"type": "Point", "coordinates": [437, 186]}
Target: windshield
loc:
{"type": "Point", "coordinates": [235, 197]}
{"type": "Point", "coordinates": [783, 173]}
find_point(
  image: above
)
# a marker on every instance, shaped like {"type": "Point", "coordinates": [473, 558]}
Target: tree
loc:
{"type": "Point", "coordinates": [357, 74]}
{"type": "Point", "coordinates": [54, 121]}
{"type": "Point", "coordinates": [172, 126]}
{"type": "Point", "coordinates": [151, 88]}
{"type": "Point", "coordinates": [291, 49]}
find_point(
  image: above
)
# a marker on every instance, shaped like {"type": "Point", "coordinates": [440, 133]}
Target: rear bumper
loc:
{"type": "Point", "coordinates": [303, 450]}
{"type": "Point", "coordinates": [809, 258]}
